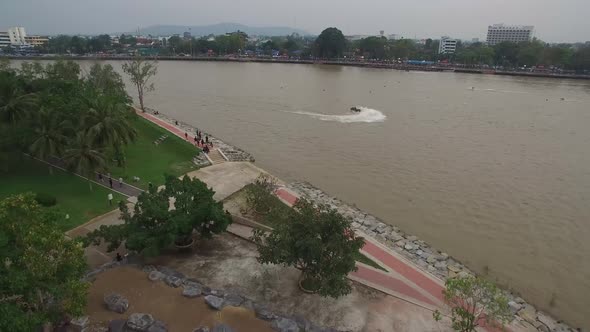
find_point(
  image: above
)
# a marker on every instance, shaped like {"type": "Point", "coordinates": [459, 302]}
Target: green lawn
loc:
{"type": "Point", "coordinates": [366, 260]}
{"type": "Point", "coordinates": [150, 162]}
{"type": "Point", "coordinates": [73, 193]}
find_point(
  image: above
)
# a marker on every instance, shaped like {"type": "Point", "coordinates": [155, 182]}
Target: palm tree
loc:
{"type": "Point", "coordinates": [49, 137]}
{"type": "Point", "coordinates": [14, 102]}
{"type": "Point", "coordinates": [83, 158]}
{"type": "Point", "coordinates": [107, 124]}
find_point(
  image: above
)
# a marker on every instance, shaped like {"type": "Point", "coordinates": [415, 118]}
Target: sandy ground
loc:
{"type": "Point", "coordinates": [164, 303]}
{"type": "Point", "coordinates": [229, 263]}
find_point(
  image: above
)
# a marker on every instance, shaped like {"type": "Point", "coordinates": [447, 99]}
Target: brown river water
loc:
{"type": "Point", "coordinates": [493, 170]}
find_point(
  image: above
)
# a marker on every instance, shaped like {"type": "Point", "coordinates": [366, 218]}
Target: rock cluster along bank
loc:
{"type": "Point", "coordinates": [216, 299]}
{"type": "Point", "coordinates": [231, 152]}
{"type": "Point", "coordinates": [426, 257]}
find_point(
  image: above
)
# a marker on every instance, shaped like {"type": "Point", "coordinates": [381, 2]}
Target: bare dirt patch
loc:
{"type": "Point", "coordinates": [164, 303]}
{"type": "Point", "coordinates": [229, 263]}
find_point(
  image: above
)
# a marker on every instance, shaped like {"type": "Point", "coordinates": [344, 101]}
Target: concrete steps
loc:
{"type": "Point", "coordinates": [216, 157]}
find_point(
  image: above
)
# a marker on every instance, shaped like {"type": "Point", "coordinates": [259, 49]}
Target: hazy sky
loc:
{"type": "Point", "coordinates": [554, 20]}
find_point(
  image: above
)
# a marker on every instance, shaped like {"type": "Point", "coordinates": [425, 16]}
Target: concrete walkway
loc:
{"type": "Point", "coordinates": [227, 178]}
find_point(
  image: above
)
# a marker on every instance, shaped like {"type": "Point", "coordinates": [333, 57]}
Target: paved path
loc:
{"type": "Point", "coordinates": [403, 279]}
{"type": "Point", "coordinates": [214, 156]}
{"type": "Point", "coordinates": [122, 188]}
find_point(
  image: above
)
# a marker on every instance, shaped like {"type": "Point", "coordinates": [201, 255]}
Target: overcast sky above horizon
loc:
{"type": "Point", "coordinates": [554, 21]}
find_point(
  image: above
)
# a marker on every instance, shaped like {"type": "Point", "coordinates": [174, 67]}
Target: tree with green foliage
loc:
{"type": "Point", "coordinates": [104, 80]}
{"type": "Point", "coordinates": [107, 123]}
{"type": "Point", "coordinates": [258, 194]}
{"type": "Point", "coordinates": [140, 72]}
{"type": "Point", "coordinates": [474, 301]}
{"type": "Point", "coordinates": [40, 271]}
{"type": "Point", "coordinates": [317, 240]}
{"type": "Point", "coordinates": [374, 48]}
{"type": "Point", "coordinates": [49, 138]}
{"type": "Point", "coordinates": [155, 226]}
{"type": "Point", "coordinates": [330, 44]}
{"type": "Point", "coordinates": [82, 156]}
{"type": "Point", "coordinates": [15, 101]}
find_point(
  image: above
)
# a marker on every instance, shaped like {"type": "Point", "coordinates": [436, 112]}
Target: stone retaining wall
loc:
{"type": "Point", "coordinates": [425, 256]}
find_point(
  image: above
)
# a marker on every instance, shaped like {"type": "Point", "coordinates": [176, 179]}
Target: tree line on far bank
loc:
{"type": "Point", "coordinates": [332, 44]}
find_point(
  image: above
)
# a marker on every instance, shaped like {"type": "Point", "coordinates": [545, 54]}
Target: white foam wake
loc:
{"type": "Point", "coordinates": [365, 115]}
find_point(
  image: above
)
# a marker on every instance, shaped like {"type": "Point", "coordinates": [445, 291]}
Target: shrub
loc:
{"type": "Point", "coordinates": [45, 199]}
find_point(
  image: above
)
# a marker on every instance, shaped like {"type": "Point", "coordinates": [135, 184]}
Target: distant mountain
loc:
{"type": "Point", "coordinates": [218, 29]}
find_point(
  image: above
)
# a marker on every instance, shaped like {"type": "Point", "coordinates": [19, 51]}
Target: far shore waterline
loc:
{"type": "Point", "coordinates": [377, 65]}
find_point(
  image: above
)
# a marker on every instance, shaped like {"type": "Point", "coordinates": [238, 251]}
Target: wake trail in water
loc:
{"type": "Point", "coordinates": [367, 115]}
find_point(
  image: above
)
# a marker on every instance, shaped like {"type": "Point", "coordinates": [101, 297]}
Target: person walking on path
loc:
{"type": "Point", "coordinates": [100, 176]}
{"type": "Point", "coordinates": [111, 182]}
{"type": "Point", "coordinates": [186, 135]}
{"type": "Point", "coordinates": [207, 139]}
{"type": "Point", "coordinates": [110, 198]}
{"type": "Point", "coordinates": [120, 182]}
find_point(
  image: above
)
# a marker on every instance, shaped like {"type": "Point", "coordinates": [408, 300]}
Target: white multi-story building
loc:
{"type": "Point", "coordinates": [498, 33]}
{"type": "Point", "coordinates": [17, 36]}
{"type": "Point", "coordinates": [447, 45]}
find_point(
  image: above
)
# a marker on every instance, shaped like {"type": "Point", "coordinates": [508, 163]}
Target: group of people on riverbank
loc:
{"type": "Point", "coordinates": [205, 143]}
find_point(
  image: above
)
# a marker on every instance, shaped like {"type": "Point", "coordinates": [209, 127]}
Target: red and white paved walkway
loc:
{"type": "Point", "coordinates": [403, 279]}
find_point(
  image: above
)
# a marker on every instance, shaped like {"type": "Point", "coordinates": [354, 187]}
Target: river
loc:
{"type": "Point", "coordinates": [494, 170]}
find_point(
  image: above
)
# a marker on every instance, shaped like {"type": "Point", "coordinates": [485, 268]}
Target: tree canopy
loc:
{"type": "Point", "coordinates": [40, 271]}
{"type": "Point", "coordinates": [473, 301]}
{"type": "Point", "coordinates": [154, 225]}
{"type": "Point", "coordinates": [53, 111]}
{"type": "Point", "coordinates": [330, 44]}
{"type": "Point", "coordinates": [316, 239]}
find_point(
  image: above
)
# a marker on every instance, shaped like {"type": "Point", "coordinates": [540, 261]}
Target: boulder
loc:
{"type": "Point", "coordinates": [78, 324]}
{"type": "Point", "coordinates": [528, 313]}
{"type": "Point", "coordinates": [116, 302]}
{"type": "Point", "coordinates": [454, 268]}
{"type": "Point", "coordinates": [201, 329]}
{"type": "Point", "coordinates": [408, 246]}
{"type": "Point", "coordinates": [411, 238]}
{"type": "Point", "coordinates": [514, 307]}
{"type": "Point", "coordinates": [285, 325]}
{"type": "Point", "coordinates": [400, 243]}
{"type": "Point", "coordinates": [214, 302]}
{"type": "Point", "coordinates": [233, 300]}
{"type": "Point", "coordinates": [443, 256]}
{"type": "Point", "coordinates": [158, 326]}
{"type": "Point", "coordinates": [547, 320]}
{"type": "Point", "coordinates": [432, 260]}
{"type": "Point", "coordinates": [395, 236]}
{"type": "Point", "coordinates": [170, 272]}
{"type": "Point", "coordinates": [117, 325]}
{"type": "Point", "coordinates": [156, 275]}
{"type": "Point", "coordinates": [222, 328]}
{"type": "Point", "coordinates": [191, 292]}
{"type": "Point", "coordinates": [214, 292]}
{"type": "Point", "coordinates": [263, 313]}
{"type": "Point", "coordinates": [140, 322]}
{"type": "Point", "coordinates": [173, 281]}
{"type": "Point", "coordinates": [148, 268]}
{"type": "Point", "coordinates": [442, 265]}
